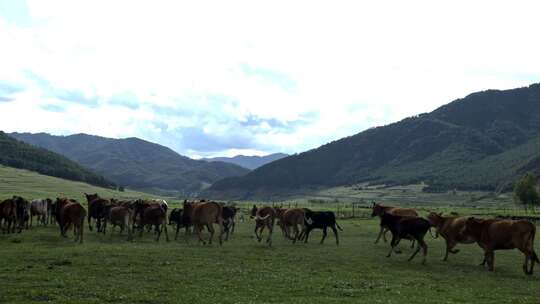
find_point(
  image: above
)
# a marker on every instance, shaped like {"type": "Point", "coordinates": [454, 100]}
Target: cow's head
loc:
{"type": "Point", "coordinates": [376, 209]}
{"type": "Point", "coordinates": [435, 218]}
{"type": "Point", "coordinates": [91, 197]}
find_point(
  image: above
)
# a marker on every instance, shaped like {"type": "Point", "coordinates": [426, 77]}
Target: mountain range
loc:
{"type": "Point", "coordinates": [248, 162]}
{"type": "Point", "coordinates": [136, 163]}
{"type": "Point", "coordinates": [21, 155]}
{"type": "Point", "coordinates": [483, 141]}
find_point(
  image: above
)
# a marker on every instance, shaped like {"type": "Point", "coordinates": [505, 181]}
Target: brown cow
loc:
{"type": "Point", "coordinates": [205, 214]}
{"type": "Point", "coordinates": [153, 215]}
{"type": "Point", "coordinates": [452, 229]}
{"type": "Point", "coordinates": [291, 218]}
{"type": "Point", "coordinates": [380, 209]}
{"type": "Point", "coordinates": [96, 208]}
{"type": "Point", "coordinates": [8, 215]}
{"type": "Point", "coordinates": [495, 234]}
{"type": "Point", "coordinates": [70, 212]}
{"type": "Point", "coordinates": [264, 217]}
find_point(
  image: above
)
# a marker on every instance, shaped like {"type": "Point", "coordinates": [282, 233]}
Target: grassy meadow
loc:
{"type": "Point", "coordinates": [39, 266]}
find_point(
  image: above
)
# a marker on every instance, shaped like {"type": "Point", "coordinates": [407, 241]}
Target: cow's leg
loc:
{"type": "Point", "coordinates": [32, 219]}
{"type": "Point", "coordinates": [380, 234]}
{"type": "Point", "coordinates": [335, 233]}
{"type": "Point", "coordinates": [424, 250]}
{"type": "Point", "coordinates": [306, 234]}
{"type": "Point", "coordinates": [177, 230]}
{"type": "Point", "coordinates": [393, 243]}
{"type": "Point", "coordinates": [270, 230]}
{"type": "Point", "coordinates": [412, 243]}
{"type": "Point", "coordinates": [324, 233]}
{"type": "Point", "coordinates": [210, 228]}
{"type": "Point", "coordinates": [491, 261]}
{"type": "Point", "coordinates": [384, 234]}
{"type": "Point", "coordinates": [90, 223]}
{"type": "Point", "coordinates": [296, 233]}
{"type": "Point", "coordinates": [449, 246]}
{"type": "Point", "coordinates": [164, 227]}
{"type": "Point", "coordinates": [199, 231]}
{"type": "Point", "coordinates": [415, 252]}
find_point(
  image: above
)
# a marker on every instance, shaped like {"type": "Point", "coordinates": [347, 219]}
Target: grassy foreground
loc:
{"type": "Point", "coordinates": [38, 266]}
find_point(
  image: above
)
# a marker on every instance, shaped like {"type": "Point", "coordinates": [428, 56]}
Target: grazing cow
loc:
{"type": "Point", "coordinates": [320, 220]}
{"type": "Point", "coordinates": [404, 227]}
{"type": "Point", "coordinates": [40, 209]}
{"type": "Point", "coordinates": [264, 217]}
{"type": "Point", "coordinates": [119, 216]}
{"type": "Point", "coordinates": [229, 214]}
{"type": "Point", "coordinates": [452, 229]}
{"type": "Point", "coordinates": [205, 214]}
{"type": "Point", "coordinates": [380, 209]}
{"type": "Point", "coordinates": [294, 218]}
{"type": "Point", "coordinates": [177, 217]}
{"type": "Point", "coordinates": [8, 215]}
{"type": "Point", "coordinates": [23, 209]}
{"type": "Point", "coordinates": [153, 215]}
{"type": "Point", "coordinates": [96, 209]}
{"type": "Point", "coordinates": [495, 234]}
{"type": "Point", "coordinates": [70, 212]}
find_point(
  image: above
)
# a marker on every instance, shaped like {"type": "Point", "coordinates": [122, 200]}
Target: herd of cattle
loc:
{"type": "Point", "coordinates": [17, 213]}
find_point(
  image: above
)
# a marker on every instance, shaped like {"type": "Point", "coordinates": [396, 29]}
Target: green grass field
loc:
{"type": "Point", "coordinates": [39, 266]}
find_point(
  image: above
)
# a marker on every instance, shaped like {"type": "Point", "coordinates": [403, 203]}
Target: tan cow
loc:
{"type": "Point", "coordinates": [205, 214]}
{"type": "Point", "coordinates": [291, 218]}
{"type": "Point", "coordinates": [380, 209]}
{"type": "Point", "coordinates": [495, 234]}
{"type": "Point", "coordinates": [70, 212]}
{"type": "Point", "coordinates": [452, 229]}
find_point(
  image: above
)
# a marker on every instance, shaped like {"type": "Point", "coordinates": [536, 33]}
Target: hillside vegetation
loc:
{"type": "Point", "coordinates": [34, 185]}
{"type": "Point", "coordinates": [14, 153]}
{"type": "Point", "coordinates": [136, 163]}
{"type": "Point", "coordinates": [481, 142]}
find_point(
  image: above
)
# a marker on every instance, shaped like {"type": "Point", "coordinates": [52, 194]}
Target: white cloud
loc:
{"type": "Point", "coordinates": [171, 70]}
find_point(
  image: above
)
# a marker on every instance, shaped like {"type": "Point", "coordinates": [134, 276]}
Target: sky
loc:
{"type": "Point", "coordinates": [220, 78]}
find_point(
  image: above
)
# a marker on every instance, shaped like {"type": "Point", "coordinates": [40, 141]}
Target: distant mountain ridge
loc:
{"type": "Point", "coordinates": [136, 163]}
{"type": "Point", "coordinates": [483, 141]}
{"type": "Point", "coordinates": [249, 162]}
{"type": "Point", "coordinates": [20, 155]}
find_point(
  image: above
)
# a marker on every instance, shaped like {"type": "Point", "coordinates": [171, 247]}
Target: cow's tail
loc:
{"type": "Point", "coordinates": [82, 226]}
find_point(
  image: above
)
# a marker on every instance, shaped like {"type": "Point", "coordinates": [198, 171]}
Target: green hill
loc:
{"type": "Point", "coordinates": [34, 185]}
{"type": "Point", "coordinates": [24, 156]}
{"type": "Point", "coordinates": [480, 142]}
{"type": "Point", "coordinates": [136, 163]}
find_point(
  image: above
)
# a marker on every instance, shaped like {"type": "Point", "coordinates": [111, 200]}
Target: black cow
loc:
{"type": "Point", "coordinates": [320, 220]}
{"type": "Point", "coordinates": [23, 212]}
{"type": "Point", "coordinates": [177, 217]}
{"type": "Point", "coordinates": [405, 227]}
{"type": "Point", "coordinates": [229, 214]}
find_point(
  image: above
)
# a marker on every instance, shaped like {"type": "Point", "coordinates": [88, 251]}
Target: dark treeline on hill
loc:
{"type": "Point", "coordinates": [481, 142]}
{"type": "Point", "coordinates": [135, 163]}
{"type": "Point", "coordinates": [14, 153]}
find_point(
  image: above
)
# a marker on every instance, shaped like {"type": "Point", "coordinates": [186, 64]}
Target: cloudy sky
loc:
{"type": "Point", "coordinates": [252, 77]}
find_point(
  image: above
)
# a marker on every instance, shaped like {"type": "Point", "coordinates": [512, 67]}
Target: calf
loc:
{"type": "Point", "coordinates": [320, 220]}
{"type": "Point", "coordinates": [264, 217]}
{"type": "Point", "coordinates": [452, 229]}
{"type": "Point", "coordinates": [96, 209]}
{"type": "Point", "coordinates": [411, 228]}
{"type": "Point", "coordinates": [495, 234]}
{"type": "Point", "coordinates": [229, 214]}
{"type": "Point", "coordinates": [177, 217]}
{"type": "Point", "coordinates": [119, 216]}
